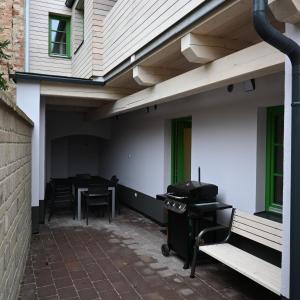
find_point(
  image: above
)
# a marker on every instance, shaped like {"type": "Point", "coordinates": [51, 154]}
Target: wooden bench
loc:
{"type": "Point", "coordinates": [260, 230]}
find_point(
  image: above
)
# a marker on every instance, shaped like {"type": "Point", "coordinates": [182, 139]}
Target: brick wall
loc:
{"type": "Point", "coordinates": [12, 29]}
{"type": "Point", "coordinates": [15, 198]}
{"type": "Point", "coordinates": [15, 159]}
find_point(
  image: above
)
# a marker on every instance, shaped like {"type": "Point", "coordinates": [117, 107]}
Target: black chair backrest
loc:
{"type": "Point", "coordinates": [97, 188]}
{"type": "Point", "coordinates": [114, 181]}
{"type": "Point", "coordinates": [62, 183]}
{"type": "Point", "coordinates": [83, 176]}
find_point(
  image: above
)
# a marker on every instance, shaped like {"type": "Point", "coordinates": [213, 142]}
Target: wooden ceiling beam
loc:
{"type": "Point", "coordinates": [203, 49]}
{"type": "Point", "coordinates": [82, 91]}
{"type": "Point", "coordinates": [287, 11]}
{"type": "Point", "coordinates": [149, 76]}
{"type": "Point", "coordinates": [253, 62]}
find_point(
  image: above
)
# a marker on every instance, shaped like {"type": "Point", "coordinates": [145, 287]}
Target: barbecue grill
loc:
{"type": "Point", "coordinates": [185, 216]}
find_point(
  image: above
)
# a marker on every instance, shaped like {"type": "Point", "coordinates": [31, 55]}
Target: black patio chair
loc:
{"type": "Point", "coordinates": [97, 196]}
{"type": "Point", "coordinates": [113, 182]}
{"type": "Point", "coordinates": [61, 197]}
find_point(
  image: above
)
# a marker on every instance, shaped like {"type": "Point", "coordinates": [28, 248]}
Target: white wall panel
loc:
{"type": "Point", "coordinates": [224, 142]}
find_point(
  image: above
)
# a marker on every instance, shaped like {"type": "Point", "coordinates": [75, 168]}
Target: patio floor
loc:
{"type": "Point", "coordinates": [121, 260]}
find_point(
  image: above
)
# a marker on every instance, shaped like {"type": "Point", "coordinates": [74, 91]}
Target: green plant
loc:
{"type": "Point", "coordinates": [3, 58]}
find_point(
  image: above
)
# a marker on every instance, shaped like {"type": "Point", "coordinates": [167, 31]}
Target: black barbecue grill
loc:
{"type": "Point", "coordinates": [185, 216]}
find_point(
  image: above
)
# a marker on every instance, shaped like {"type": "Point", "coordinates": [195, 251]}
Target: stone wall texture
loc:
{"type": "Point", "coordinates": [12, 29]}
{"type": "Point", "coordinates": [15, 198]}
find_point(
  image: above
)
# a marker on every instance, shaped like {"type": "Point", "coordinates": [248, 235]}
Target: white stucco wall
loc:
{"type": "Point", "coordinates": [67, 156]}
{"type": "Point", "coordinates": [136, 154]}
{"type": "Point", "coordinates": [225, 130]}
{"type": "Point", "coordinates": [63, 123]}
{"type": "Point", "coordinates": [28, 99]}
{"type": "Point", "coordinates": [76, 154]}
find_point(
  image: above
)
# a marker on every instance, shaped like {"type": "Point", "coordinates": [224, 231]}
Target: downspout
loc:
{"type": "Point", "coordinates": [292, 50]}
{"type": "Point", "coordinates": [26, 54]}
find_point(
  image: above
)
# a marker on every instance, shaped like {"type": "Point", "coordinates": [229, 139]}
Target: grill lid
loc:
{"type": "Point", "coordinates": [194, 190]}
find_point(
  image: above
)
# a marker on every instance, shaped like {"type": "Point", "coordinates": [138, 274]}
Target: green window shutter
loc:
{"type": "Point", "coordinates": [274, 159]}
{"type": "Point", "coordinates": [59, 37]}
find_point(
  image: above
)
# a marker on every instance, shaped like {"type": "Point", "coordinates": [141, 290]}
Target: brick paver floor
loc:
{"type": "Point", "coordinates": [121, 260]}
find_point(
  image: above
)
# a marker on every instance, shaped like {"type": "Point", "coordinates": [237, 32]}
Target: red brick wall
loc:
{"type": "Point", "coordinates": [12, 24]}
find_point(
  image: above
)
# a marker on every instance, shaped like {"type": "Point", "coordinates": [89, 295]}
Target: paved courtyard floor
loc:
{"type": "Point", "coordinates": [121, 260]}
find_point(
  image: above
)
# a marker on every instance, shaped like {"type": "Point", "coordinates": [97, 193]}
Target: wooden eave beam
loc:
{"type": "Point", "coordinates": [256, 61]}
{"type": "Point", "coordinates": [287, 11]}
{"type": "Point", "coordinates": [149, 76]}
{"type": "Point", "coordinates": [203, 49]}
{"type": "Point", "coordinates": [82, 91]}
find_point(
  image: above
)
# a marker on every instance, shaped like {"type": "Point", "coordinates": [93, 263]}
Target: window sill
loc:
{"type": "Point", "coordinates": [276, 217]}
{"type": "Point", "coordinates": [59, 56]}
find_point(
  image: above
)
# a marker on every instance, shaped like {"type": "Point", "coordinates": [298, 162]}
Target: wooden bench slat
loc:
{"type": "Point", "coordinates": [256, 238]}
{"type": "Point", "coordinates": [258, 219]}
{"type": "Point", "coordinates": [255, 231]}
{"type": "Point", "coordinates": [259, 226]}
{"type": "Point", "coordinates": [251, 266]}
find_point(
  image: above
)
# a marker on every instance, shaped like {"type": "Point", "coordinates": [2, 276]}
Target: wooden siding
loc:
{"type": "Point", "coordinates": [82, 61]}
{"type": "Point", "coordinates": [40, 61]}
{"type": "Point", "coordinates": [88, 61]}
{"type": "Point", "coordinates": [77, 27]}
{"type": "Point", "coordinates": [131, 24]}
{"type": "Point", "coordinates": [114, 30]}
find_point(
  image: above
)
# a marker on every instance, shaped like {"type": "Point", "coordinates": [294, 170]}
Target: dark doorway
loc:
{"type": "Point", "coordinates": [181, 149]}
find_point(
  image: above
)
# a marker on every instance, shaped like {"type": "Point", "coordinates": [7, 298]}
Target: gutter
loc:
{"type": "Point", "coordinates": [21, 76]}
{"type": "Point", "coordinates": [165, 37]}
{"type": "Point", "coordinates": [26, 54]}
{"type": "Point", "coordinates": [292, 50]}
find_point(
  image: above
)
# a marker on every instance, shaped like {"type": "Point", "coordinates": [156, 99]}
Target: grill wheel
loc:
{"type": "Point", "coordinates": [165, 250]}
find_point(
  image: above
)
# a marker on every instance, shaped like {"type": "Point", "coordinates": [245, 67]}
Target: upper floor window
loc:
{"type": "Point", "coordinates": [59, 36]}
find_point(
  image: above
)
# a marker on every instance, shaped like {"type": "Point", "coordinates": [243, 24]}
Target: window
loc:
{"type": "Point", "coordinates": [59, 36]}
{"type": "Point", "coordinates": [274, 168]}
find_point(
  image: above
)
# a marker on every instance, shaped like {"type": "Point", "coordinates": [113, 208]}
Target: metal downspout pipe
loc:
{"type": "Point", "coordinates": [292, 50]}
{"type": "Point", "coordinates": [26, 54]}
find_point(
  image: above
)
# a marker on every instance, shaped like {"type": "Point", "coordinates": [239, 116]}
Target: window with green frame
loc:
{"type": "Point", "coordinates": [274, 159]}
{"type": "Point", "coordinates": [59, 36]}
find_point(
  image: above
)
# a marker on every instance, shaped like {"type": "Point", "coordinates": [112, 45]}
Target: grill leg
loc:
{"type": "Point", "coordinates": [186, 264]}
{"type": "Point", "coordinates": [194, 261]}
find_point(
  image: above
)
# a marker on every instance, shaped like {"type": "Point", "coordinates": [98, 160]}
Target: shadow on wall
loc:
{"type": "Point", "coordinates": [76, 154]}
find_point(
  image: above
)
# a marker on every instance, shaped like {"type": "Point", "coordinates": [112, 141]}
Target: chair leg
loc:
{"type": "Point", "coordinates": [87, 215]}
{"type": "Point", "coordinates": [194, 261]}
{"type": "Point", "coordinates": [108, 212]}
{"type": "Point", "coordinates": [50, 214]}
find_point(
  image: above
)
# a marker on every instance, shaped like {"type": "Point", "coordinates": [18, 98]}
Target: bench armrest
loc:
{"type": "Point", "coordinates": [208, 229]}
